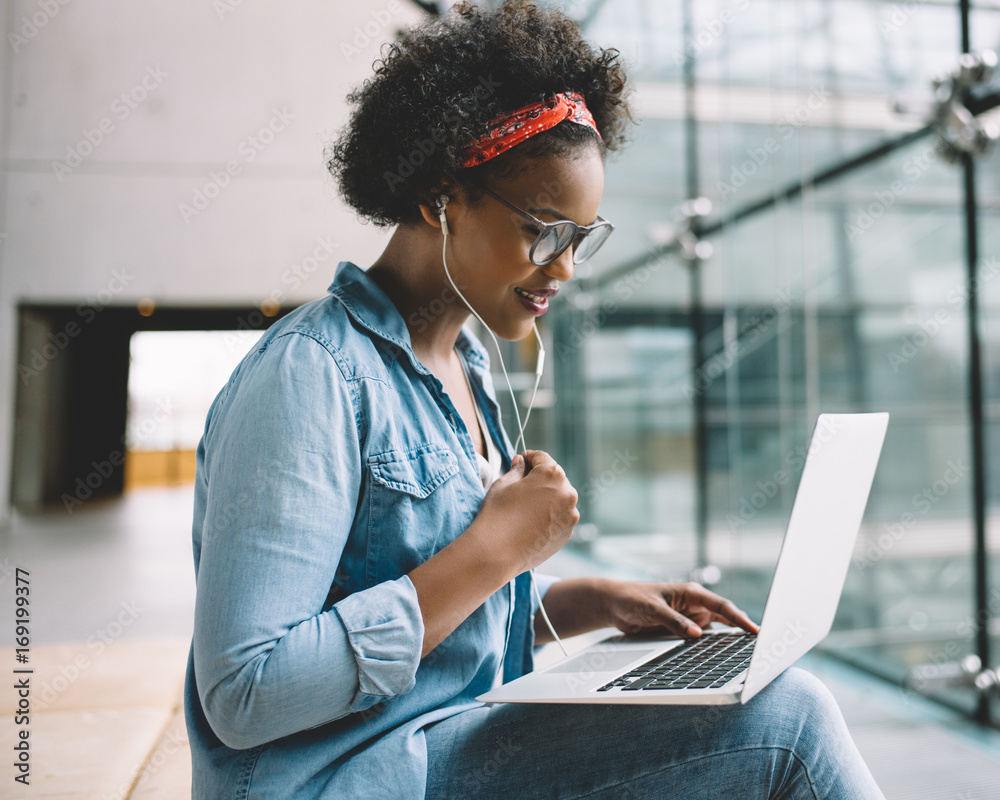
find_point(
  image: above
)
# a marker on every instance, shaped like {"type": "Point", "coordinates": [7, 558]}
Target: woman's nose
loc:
{"type": "Point", "coordinates": [561, 268]}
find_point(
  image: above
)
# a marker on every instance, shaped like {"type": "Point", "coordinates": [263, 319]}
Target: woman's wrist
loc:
{"type": "Point", "coordinates": [494, 553]}
{"type": "Point", "coordinates": [578, 605]}
{"type": "Point", "coordinates": [604, 590]}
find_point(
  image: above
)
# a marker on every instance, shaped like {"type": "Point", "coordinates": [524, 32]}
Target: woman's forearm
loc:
{"type": "Point", "coordinates": [574, 606]}
{"type": "Point", "coordinates": [455, 581]}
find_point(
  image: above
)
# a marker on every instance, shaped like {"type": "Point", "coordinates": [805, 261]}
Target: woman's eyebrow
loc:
{"type": "Point", "coordinates": [556, 213]}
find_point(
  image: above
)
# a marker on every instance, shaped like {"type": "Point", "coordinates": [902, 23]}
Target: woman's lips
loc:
{"type": "Point", "coordinates": [537, 304]}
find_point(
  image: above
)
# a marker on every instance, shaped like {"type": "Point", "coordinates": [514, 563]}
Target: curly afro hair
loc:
{"type": "Point", "coordinates": [438, 87]}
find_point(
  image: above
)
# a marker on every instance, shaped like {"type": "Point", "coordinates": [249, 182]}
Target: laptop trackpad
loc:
{"type": "Point", "coordinates": [600, 659]}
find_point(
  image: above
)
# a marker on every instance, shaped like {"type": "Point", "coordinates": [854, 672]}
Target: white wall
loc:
{"type": "Point", "coordinates": [216, 73]}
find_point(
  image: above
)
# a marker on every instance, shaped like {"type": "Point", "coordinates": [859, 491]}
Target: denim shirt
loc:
{"type": "Point", "coordinates": [332, 464]}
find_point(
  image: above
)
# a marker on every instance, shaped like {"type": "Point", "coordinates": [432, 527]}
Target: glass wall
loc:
{"type": "Point", "coordinates": [850, 295]}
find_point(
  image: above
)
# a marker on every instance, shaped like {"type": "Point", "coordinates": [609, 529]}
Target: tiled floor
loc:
{"type": "Point", "coordinates": [124, 570]}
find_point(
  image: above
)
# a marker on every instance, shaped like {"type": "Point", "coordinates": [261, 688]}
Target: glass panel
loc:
{"type": "Point", "coordinates": [854, 46]}
{"type": "Point", "coordinates": [638, 485]}
{"type": "Point", "coordinates": [883, 329]}
{"type": "Point", "coordinates": [850, 296]}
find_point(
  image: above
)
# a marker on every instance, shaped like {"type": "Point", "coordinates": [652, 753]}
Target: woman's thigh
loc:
{"type": "Point", "coordinates": [789, 741]}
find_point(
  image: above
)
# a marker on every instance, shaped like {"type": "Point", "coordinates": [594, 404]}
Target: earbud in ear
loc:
{"type": "Point", "coordinates": [442, 203]}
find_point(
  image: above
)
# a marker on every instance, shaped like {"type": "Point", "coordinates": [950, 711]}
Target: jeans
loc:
{"type": "Point", "coordinates": [788, 742]}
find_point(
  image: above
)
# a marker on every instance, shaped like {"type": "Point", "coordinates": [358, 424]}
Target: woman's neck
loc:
{"type": "Point", "coordinates": [409, 272]}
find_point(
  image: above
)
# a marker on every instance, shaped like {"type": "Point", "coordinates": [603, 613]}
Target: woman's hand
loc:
{"type": "Point", "coordinates": [578, 605]}
{"type": "Point", "coordinates": [683, 609]}
{"type": "Point", "coordinates": [529, 512]}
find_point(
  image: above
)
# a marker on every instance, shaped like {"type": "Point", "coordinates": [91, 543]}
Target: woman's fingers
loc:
{"type": "Point", "coordinates": [682, 609]}
{"type": "Point", "coordinates": [656, 614]}
{"type": "Point", "coordinates": [721, 609]}
{"type": "Point", "coordinates": [684, 626]}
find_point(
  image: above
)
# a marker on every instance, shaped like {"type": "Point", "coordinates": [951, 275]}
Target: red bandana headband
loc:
{"type": "Point", "coordinates": [513, 128]}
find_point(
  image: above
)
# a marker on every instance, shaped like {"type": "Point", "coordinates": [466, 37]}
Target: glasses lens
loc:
{"type": "Point", "coordinates": [590, 243]}
{"type": "Point", "coordinates": [552, 242]}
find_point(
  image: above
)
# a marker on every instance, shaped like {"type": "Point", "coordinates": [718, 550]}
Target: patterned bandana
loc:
{"type": "Point", "coordinates": [513, 128]}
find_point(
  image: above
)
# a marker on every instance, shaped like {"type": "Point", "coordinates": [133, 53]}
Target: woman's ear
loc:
{"type": "Point", "coordinates": [431, 215]}
{"type": "Point", "coordinates": [435, 214]}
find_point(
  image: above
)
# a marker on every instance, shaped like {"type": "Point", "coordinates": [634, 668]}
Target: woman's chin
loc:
{"type": "Point", "coordinates": [512, 327]}
{"type": "Point", "coordinates": [512, 330]}
{"type": "Point", "coordinates": [521, 331]}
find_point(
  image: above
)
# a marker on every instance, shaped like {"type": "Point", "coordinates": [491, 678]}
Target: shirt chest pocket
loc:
{"type": "Point", "coordinates": [415, 507]}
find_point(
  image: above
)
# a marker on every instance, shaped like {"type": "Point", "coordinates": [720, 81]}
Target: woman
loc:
{"type": "Point", "coordinates": [363, 528]}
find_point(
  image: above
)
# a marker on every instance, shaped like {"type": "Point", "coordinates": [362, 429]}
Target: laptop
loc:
{"type": "Point", "coordinates": [729, 665]}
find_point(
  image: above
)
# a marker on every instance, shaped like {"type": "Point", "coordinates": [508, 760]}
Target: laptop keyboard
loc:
{"type": "Point", "coordinates": [708, 662]}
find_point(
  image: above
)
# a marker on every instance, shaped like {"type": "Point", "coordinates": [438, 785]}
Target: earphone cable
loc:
{"type": "Point", "coordinates": [538, 375]}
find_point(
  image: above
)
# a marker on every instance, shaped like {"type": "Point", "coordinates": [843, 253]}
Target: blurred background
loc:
{"type": "Point", "coordinates": [808, 220]}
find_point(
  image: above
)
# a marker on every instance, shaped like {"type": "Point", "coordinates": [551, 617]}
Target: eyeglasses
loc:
{"type": "Point", "coordinates": [554, 237]}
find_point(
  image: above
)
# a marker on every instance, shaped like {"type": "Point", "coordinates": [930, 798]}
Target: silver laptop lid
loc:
{"type": "Point", "coordinates": [816, 551]}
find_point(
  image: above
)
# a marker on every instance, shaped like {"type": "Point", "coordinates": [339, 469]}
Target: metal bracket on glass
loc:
{"type": "Point", "coordinates": [684, 232]}
{"type": "Point", "coordinates": [965, 674]}
{"type": "Point", "coordinates": [960, 131]}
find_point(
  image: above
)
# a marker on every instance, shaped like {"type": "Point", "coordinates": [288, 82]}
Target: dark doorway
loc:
{"type": "Point", "coordinates": [72, 394]}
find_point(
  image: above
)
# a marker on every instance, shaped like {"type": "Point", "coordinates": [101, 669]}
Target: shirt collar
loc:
{"type": "Point", "coordinates": [373, 310]}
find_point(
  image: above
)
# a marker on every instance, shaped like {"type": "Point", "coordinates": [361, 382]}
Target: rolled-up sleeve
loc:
{"type": "Point", "coordinates": [279, 478]}
{"type": "Point", "coordinates": [382, 623]}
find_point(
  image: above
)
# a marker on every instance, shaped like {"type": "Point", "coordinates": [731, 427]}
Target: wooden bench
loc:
{"type": "Point", "coordinates": [104, 721]}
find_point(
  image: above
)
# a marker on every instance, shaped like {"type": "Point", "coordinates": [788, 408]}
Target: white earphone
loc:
{"type": "Point", "coordinates": [442, 204]}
